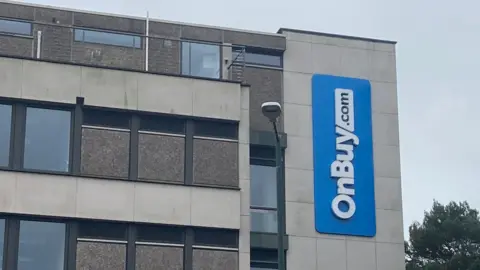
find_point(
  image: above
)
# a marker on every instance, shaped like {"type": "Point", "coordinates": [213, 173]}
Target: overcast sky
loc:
{"type": "Point", "coordinates": [437, 64]}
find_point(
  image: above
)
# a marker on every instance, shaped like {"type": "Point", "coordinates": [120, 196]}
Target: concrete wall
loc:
{"type": "Point", "coordinates": [35, 80]}
{"type": "Point", "coordinates": [66, 196]}
{"type": "Point", "coordinates": [309, 54]}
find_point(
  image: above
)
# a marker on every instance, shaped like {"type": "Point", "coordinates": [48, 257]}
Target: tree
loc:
{"type": "Point", "coordinates": [447, 239]}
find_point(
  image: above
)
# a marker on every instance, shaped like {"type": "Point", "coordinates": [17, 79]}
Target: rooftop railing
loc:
{"type": "Point", "coordinates": [104, 48]}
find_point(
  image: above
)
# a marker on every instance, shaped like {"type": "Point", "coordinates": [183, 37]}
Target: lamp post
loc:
{"type": "Point", "coordinates": [273, 110]}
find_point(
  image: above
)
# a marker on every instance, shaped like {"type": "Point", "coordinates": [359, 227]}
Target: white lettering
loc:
{"type": "Point", "coordinates": [342, 168]}
{"type": "Point", "coordinates": [346, 200]}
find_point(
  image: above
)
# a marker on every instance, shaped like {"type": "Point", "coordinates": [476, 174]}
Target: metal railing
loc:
{"type": "Point", "coordinates": [131, 51]}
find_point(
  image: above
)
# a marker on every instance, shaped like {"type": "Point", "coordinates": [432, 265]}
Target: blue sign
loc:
{"type": "Point", "coordinates": [343, 156]}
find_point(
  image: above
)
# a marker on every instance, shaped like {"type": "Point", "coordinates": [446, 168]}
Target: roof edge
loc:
{"type": "Point", "coordinates": [282, 30]}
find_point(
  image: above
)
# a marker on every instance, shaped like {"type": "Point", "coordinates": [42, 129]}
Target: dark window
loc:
{"type": "Point", "coordinates": [263, 259]}
{"type": "Point", "coordinates": [161, 234]}
{"type": "Point", "coordinates": [162, 124]}
{"type": "Point", "coordinates": [104, 118]}
{"type": "Point", "coordinates": [2, 240]}
{"type": "Point", "coordinates": [263, 189]}
{"type": "Point", "coordinates": [216, 129]}
{"type": "Point", "coordinates": [216, 237]}
{"type": "Point", "coordinates": [47, 140]}
{"type": "Point", "coordinates": [15, 27]}
{"type": "Point", "coordinates": [102, 230]}
{"type": "Point", "coordinates": [201, 60]}
{"type": "Point", "coordinates": [5, 133]}
{"type": "Point", "coordinates": [108, 38]}
{"type": "Point", "coordinates": [260, 57]}
{"type": "Point", "coordinates": [41, 246]}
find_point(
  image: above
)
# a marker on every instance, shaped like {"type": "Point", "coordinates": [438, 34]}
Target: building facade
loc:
{"type": "Point", "coordinates": [133, 143]}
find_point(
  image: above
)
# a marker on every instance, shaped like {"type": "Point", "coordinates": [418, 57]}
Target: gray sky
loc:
{"type": "Point", "coordinates": [436, 64]}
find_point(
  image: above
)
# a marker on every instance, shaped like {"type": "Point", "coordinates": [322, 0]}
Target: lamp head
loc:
{"type": "Point", "coordinates": [272, 110]}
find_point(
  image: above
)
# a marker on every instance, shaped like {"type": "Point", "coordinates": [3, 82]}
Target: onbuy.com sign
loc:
{"type": "Point", "coordinates": [343, 167]}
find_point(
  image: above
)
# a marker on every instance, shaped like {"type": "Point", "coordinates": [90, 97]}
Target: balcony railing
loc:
{"type": "Point", "coordinates": [105, 48]}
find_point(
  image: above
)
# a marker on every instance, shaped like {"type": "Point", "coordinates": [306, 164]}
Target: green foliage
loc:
{"type": "Point", "coordinates": [447, 239]}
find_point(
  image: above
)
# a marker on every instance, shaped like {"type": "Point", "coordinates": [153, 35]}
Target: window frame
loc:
{"type": "Point", "coordinates": [30, 34]}
{"type": "Point", "coordinates": [198, 42]}
{"type": "Point", "coordinates": [102, 31]}
{"type": "Point", "coordinates": [263, 258]}
{"type": "Point", "coordinates": [12, 134]}
{"type": "Point", "coordinates": [18, 132]}
{"type": "Point", "coordinates": [132, 240]}
{"type": "Point", "coordinates": [45, 220]}
{"type": "Point", "coordinates": [266, 159]}
{"type": "Point", "coordinates": [65, 108]}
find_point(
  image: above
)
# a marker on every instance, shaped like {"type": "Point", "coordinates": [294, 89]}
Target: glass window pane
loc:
{"type": "Point", "coordinates": [107, 38]}
{"type": "Point", "coordinates": [41, 246]}
{"type": "Point", "coordinates": [263, 220]}
{"type": "Point", "coordinates": [185, 58]}
{"type": "Point", "coordinates": [263, 187]}
{"type": "Point", "coordinates": [2, 240]}
{"type": "Point", "coordinates": [263, 59]}
{"type": "Point", "coordinates": [203, 60]}
{"type": "Point", "coordinates": [5, 130]}
{"type": "Point", "coordinates": [47, 140]}
{"type": "Point", "coordinates": [15, 27]}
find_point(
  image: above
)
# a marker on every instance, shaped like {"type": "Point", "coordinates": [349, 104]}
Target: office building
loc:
{"type": "Point", "coordinates": [134, 143]}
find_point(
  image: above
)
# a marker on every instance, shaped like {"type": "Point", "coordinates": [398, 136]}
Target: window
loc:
{"type": "Point", "coordinates": [15, 27]}
{"type": "Point", "coordinates": [101, 245]}
{"type": "Point", "coordinates": [47, 140]}
{"type": "Point", "coordinates": [263, 259]}
{"type": "Point", "coordinates": [5, 134]}
{"type": "Point", "coordinates": [102, 230]}
{"type": "Point", "coordinates": [161, 149]}
{"type": "Point", "coordinates": [159, 247]}
{"type": "Point", "coordinates": [221, 252]}
{"type": "Point", "coordinates": [201, 60]}
{"type": "Point", "coordinates": [160, 234]}
{"type": "Point", "coordinates": [105, 143]}
{"type": "Point", "coordinates": [216, 237]}
{"type": "Point", "coordinates": [260, 57]}
{"type": "Point", "coordinates": [227, 130]}
{"type": "Point", "coordinates": [108, 38]}
{"type": "Point", "coordinates": [2, 240]}
{"type": "Point", "coordinates": [41, 246]}
{"type": "Point", "coordinates": [263, 190]}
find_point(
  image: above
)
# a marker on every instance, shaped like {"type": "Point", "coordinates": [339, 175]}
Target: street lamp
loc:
{"type": "Point", "coordinates": [273, 110]}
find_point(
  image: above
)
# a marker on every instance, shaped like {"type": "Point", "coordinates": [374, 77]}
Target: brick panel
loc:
{"type": "Point", "coordinates": [265, 85]}
{"type": "Point", "coordinates": [47, 15]}
{"type": "Point", "coordinates": [16, 46]}
{"type": "Point", "coordinates": [256, 40]}
{"type": "Point", "coordinates": [164, 29]}
{"type": "Point", "coordinates": [201, 33]}
{"type": "Point", "coordinates": [108, 56]}
{"type": "Point", "coordinates": [164, 56]}
{"type": "Point", "coordinates": [109, 22]}
{"type": "Point", "coordinates": [56, 42]}
{"type": "Point", "coordinates": [16, 11]}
